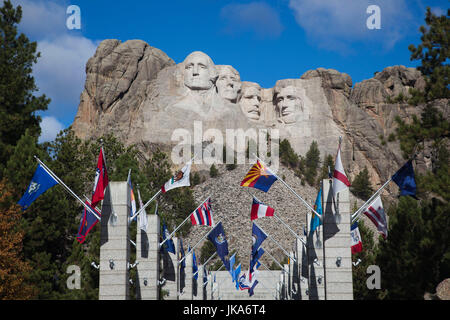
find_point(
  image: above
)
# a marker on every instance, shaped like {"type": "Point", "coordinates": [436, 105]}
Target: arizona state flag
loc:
{"type": "Point", "coordinates": [259, 177]}
{"type": "Point", "coordinates": [101, 180]}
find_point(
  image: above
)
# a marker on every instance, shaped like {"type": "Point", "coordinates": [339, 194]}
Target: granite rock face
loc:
{"type": "Point", "coordinates": [143, 97]}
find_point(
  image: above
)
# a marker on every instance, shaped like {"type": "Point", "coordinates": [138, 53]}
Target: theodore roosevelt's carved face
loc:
{"type": "Point", "coordinates": [288, 104]}
{"type": "Point", "coordinates": [251, 102]}
{"type": "Point", "coordinates": [228, 83]}
{"type": "Point", "coordinates": [199, 71]}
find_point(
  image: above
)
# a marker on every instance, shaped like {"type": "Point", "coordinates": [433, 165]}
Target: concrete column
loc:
{"type": "Point", "coordinates": [290, 275]}
{"type": "Point", "coordinates": [302, 271]}
{"type": "Point", "coordinates": [337, 240]}
{"type": "Point", "coordinates": [316, 272]}
{"type": "Point", "coordinates": [186, 278]}
{"type": "Point", "coordinates": [197, 285]}
{"type": "Point", "coordinates": [147, 254]}
{"type": "Point", "coordinates": [114, 243]}
{"type": "Point", "coordinates": [170, 273]}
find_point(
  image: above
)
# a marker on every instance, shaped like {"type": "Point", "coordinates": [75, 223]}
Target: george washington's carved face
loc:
{"type": "Point", "coordinates": [199, 71]}
{"type": "Point", "coordinates": [228, 83]}
{"type": "Point", "coordinates": [288, 104]}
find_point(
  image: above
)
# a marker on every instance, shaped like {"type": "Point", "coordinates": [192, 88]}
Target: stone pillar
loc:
{"type": "Point", "coordinates": [290, 286]}
{"type": "Point", "coordinates": [186, 278]}
{"type": "Point", "coordinates": [315, 260]}
{"type": "Point", "coordinates": [302, 271]}
{"type": "Point", "coordinates": [170, 273]}
{"type": "Point", "coordinates": [337, 250]}
{"type": "Point", "coordinates": [114, 243]}
{"type": "Point", "coordinates": [147, 254]}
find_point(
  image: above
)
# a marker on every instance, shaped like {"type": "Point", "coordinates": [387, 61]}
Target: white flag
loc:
{"type": "Point", "coordinates": [340, 181]}
{"type": "Point", "coordinates": [180, 179]}
{"type": "Point", "coordinates": [143, 222]}
{"type": "Point", "coordinates": [375, 212]}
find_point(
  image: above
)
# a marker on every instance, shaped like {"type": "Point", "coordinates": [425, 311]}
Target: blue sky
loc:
{"type": "Point", "coordinates": [264, 40]}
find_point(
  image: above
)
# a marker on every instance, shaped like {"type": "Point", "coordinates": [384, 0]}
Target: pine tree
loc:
{"type": "Point", "coordinates": [213, 172]}
{"type": "Point", "coordinates": [367, 257]}
{"type": "Point", "coordinates": [361, 186]}
{"type": "Point", "coordinates": [417, 244]}
{"type": "Point", "coordinates": [433, 53]}
{"type": "Point", "coordinates": [17, 102]}
{"type": "Point", "coordinates": [328, 163]}
{"type": "Point", "coordinates": [312, 162]}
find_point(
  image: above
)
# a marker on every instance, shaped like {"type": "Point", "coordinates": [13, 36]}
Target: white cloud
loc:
{"type": "Point", "coordinates": [336, 24]}
{"type": "Point", "coordinates": [50, 127]}
{"type": "Point", "coordinates": [60, 71]}
{"type": "Point", "coordinates": [41, 19]}
{"type": "Point", "coordinates": [257, 17]}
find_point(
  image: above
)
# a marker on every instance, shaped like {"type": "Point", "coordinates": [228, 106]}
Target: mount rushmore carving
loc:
{"type": "Point", "coordinates": [139, 94]}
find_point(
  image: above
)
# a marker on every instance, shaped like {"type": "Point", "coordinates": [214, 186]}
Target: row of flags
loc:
{"type": "Point", "coordinates": [259, 177]}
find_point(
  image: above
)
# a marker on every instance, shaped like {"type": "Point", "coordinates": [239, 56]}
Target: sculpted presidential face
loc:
{"type": "Point", "coordinates": [251, 102]}
{"type": "Point", "coordinates": [288, 103]}
{"type": "Point", "coordinates": [199, 71]}
{"type": "Point", "coordinates": [228, 83]}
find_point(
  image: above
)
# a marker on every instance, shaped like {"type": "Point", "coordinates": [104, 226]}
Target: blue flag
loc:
{"type": "Point", "coordinates": [87, 222]}
{"type": "Point", "coordinates": [219, 240]}
{"type": "Point", "coordinates": [194, 265]}
{"type": "Point", "coordinates": [183, 263]}
{"type": "Point", "coordinates": [251, 292]}
{"type": "Point", "coordinates": [232, 261]}
{"type": "Point", "coordinates": [169, 243]}
{"type": "Point", "coordinates": [256, 257]}
{"type": "Point", "coordinates": [236, 274]}
{"type": "Point", "coordinates": [41, 182]}
{"type": "Point", "coordinates": [315, 220]}
{"type": "Point", "coordinates": [258, 237]}
{"type": "Point", "coordinates": [405, 180]}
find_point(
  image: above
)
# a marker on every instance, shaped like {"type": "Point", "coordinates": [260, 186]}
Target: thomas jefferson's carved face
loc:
{"type": "Point", "coordinates": [288, 104]}
{"type": "Point", "coordinates": [198, 73]}
{"type": "Point", "coordinates": [228, 84]}
{"type": "Point", "coordinates": [251, 102]}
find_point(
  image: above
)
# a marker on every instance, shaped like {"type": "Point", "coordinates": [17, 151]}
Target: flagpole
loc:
{"type": "Point", "coordinates": [50, 172]}
{"type": "Point", "coordinates": [212, 256]}
{"type": "Point", "coordinates": [184, 221]}
{"type": "Point", "coordinates": [276, 261]}
{"type": "Point", "coordinates": [359, 211]}
{"type": "Point", "coordinates": [292, 190]}
{"type": "Point", "coordinates": [192, 249]}
{"type": "Point", "coordinates": [285, 252]}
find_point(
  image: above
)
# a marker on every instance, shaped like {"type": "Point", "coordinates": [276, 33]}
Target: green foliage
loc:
{"type": "Point", "coordinates": [196, 179]}
{"type": "Point", "coordinates": [433, 53]}
{"type": "Point", "coordinates": [432, 126]}
{"type": "Point", "coordinates": [367, 257]}
{"type": "Point", "coordinates": [328, 161]}
{"type": "Point", "coordinates": [312, 162]}
{"type": "Point", "coordinates": [18, 105]}
{"type": "Point", "coordinates": [288, 157]}
{"type": "Point", "coordinates": [213, 172]}
{"type": "Point", "coordinates": [418, 244]}
{"type": "Point", "coordinates": [361, 186]}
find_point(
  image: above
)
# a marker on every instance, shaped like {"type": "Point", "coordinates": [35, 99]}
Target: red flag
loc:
{"type": "Point", "coordinates": [101, 180]}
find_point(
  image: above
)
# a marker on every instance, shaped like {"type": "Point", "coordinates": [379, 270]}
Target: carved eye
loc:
{"type": "Point", "coordinates": [189, 66]}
